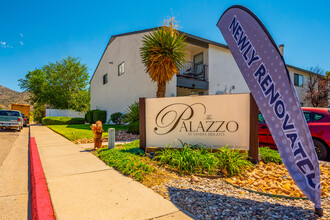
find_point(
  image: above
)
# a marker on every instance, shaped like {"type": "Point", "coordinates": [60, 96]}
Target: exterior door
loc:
{"type": "Point", "coordinates": [198, 64]}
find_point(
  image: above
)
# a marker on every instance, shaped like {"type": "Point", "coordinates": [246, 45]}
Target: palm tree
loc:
{"type": "Point", "coordinates": [163, 54]}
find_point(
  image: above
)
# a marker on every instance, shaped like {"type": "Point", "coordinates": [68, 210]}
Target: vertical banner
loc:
{"type": "Point", "coordinates": [266, 75]}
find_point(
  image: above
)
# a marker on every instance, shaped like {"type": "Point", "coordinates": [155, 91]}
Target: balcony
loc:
{"type": "Point", "coordinates": [193, 70]}
{"type": "Point", "coordinates": [193, 76]}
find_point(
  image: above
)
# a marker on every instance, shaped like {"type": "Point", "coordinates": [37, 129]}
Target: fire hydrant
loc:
{"type": "Point", "coordinates": [97, 129]}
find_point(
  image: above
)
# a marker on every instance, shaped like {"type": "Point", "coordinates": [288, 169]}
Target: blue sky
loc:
{"type": "Point", "coordinates": [34, 33]}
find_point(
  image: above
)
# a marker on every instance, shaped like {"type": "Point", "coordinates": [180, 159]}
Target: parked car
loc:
{"type": "Point", "coordinates": [25, 120]}
{"type": "Point", "coordinates": [318, 120]}
{"type": "Point", "coordinates": [11, 120]}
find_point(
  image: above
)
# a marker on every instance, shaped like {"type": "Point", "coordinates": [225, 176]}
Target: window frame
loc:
{"type": "Point", "coordinates": [105, 79]}
{"type": "Point", "coordinates": [196, 55]}
{"type": "Point", "coordinates": [296, 80]}
{"type": "Point", "coordinates": [119, 68]}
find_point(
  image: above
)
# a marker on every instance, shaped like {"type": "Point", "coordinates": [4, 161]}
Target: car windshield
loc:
{"type": "Point", "coordinates": [261, 118]}
{"type": "Point", "coordinates": [9, 113]}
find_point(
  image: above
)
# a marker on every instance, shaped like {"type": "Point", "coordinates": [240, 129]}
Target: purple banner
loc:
{"type": "Point", "coordinates": [266, 75]}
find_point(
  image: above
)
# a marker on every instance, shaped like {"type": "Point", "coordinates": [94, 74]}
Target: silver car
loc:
{"type": "Point", "coordinates": [10, 119]}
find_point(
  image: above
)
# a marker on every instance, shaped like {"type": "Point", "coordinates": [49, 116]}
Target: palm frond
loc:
{"type": "Point", "coordinates": [163, 53]}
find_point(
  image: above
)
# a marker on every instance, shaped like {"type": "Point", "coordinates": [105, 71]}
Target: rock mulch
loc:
{"type": "Point", "coordinates": [120, 136]}
{"type": "Point", "coordinates": [216, 199]}
{"type": "Point", "coordinates": [272, 178]}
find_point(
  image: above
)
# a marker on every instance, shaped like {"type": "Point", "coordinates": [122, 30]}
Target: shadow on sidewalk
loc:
{"type": "Point", "coordinates": [206, 205]}
{"type": "Point", "coordinates": [87, 150]}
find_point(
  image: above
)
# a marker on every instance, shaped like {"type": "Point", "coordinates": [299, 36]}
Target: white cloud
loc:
{"type": "Point", "coordinates": [3, 44]}
{"type": "Point", "coordinates": [21, 42]}
{"type": "Point", "coordinates": [21, 34]}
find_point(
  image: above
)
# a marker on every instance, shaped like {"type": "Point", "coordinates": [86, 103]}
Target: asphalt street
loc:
{"type": "Point", "coordinates": [7, 138]}
{"type": "Point", "coordinates": [14, 191]}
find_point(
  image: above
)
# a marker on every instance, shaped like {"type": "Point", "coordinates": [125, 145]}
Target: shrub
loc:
{"type": "Point", "coordinates": [94, 115]}
{"type": "Point", "coordinates": [198, 159]}
{"type": "Point", "coordinates": [232, 162]}
{"type": "Point", "coordinates": [75, 121]}
{"type": "Point", "coordinates": [134, 127]}
{"type": "Point", "coordinates": [89, 116]}
{"type": "Point", "coordinates": [38, 113]}
{"type": "Point", "coordinates": [268, 155]}
{"type": "Point", "coordinates": [50, 120]}
{"type": "Point", "coordinates": [132, 118]}
{"type": "Point", "coordinates": [99, 115]}
{"type": "Point", "coordinates": [189, 160]}
{"type": "Point", "coordinates": [117, 118]}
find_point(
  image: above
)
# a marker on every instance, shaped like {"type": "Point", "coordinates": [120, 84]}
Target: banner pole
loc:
{"type": "Point", "coordinates": [254, 130]}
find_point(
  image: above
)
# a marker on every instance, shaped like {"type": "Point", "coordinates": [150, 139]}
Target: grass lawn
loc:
{"type": "Point", "coordinates": [80, 131]}
{"type": "Point", "coordinates": [129, 160]}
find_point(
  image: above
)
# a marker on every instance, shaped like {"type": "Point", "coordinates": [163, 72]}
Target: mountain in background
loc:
{"type": "Point", "coordinates": [8, 96]}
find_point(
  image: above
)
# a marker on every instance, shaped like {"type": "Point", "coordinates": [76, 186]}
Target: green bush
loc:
{"type": "Point", "coordinates": [133, 127]}
{"type": "Point", "coordinates": [94, 115]}
{"type": "Point", "coordinates": [116, 118]}
{"type": "Point", "coordinates": [38, 113]}
{"type": "Point", "coordinates": [132, 118]}
{"type": "Point", "coordinates": [50, 120]}
{"type": "Point", "coordinates": [232, 162]}
{"type": "Point", "coordinates": [189, 160]}
{"type": "Point", "coordinates": [268, 155]}
{"type": "Point", "coordinates": [198, 159]}
{"type": "Point", "coordinates": [99, 115]}
{"type": "Point", "coordinates": [128, 160]}
{"type": "Point", "coordinates": [89, 116]}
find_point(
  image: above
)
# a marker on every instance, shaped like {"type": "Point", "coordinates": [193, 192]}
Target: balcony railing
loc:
{"type": "Point", "coordinates": [193, 70]}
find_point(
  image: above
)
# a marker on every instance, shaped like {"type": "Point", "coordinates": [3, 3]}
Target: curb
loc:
{"type": "Point", "coordinates": [41, 206]}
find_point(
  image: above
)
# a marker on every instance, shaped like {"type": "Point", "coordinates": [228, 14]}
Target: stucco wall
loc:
{"type": "Point", "coordinates": [121, 91]}
{"type": "Point", "coordinates": [301, 91]}
{"type": "Point", "coordinates": [224, 72]}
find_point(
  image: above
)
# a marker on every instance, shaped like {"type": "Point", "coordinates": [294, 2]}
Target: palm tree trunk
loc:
{"type": "Point", "coordinates": [161, 90]}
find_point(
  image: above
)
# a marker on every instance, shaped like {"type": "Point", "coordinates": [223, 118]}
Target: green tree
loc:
{"type": "Point", "coordinates": [163, 54]}
{"type": "Point", "coordinates": [61, 85]}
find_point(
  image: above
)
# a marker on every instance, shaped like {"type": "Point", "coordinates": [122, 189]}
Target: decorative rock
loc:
{"type": "Point", "coordinates": [193, 179]}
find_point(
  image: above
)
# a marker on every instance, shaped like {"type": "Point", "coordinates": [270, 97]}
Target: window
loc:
{"type": "Point", "coordinates": [105, 78]}
{"type": "Point", "coordinates": [307, 116]}
{"type": "Point", "coordinates": [318, 117]}
{"type": "Point", "coordinates": [198, 58]}
{"type": "Point", "coordinates": [198, 63]}
{"type": "Point", "coordinates": [121, 68]}
{"type": "Point", "coordinates": [261, 118]}
{"type": "Point", "coordinates": [298, 80]}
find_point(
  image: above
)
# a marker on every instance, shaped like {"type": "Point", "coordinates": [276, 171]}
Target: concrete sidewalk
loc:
{"type": "Point", "coordinates": [82, 187]}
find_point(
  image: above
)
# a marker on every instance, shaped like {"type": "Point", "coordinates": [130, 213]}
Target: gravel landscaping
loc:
{"type": "Point", "coordinates": [215, 199]}
{"type": "Point", "coordinates": [121, 135]}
